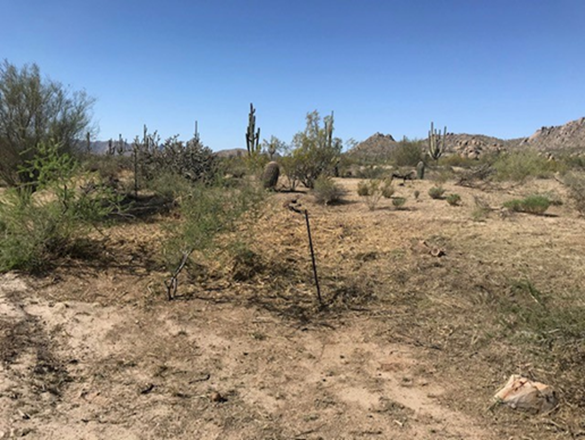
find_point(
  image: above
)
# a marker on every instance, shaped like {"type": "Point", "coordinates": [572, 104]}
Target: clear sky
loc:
{"type": "Point", "coordinates": [498, 67]}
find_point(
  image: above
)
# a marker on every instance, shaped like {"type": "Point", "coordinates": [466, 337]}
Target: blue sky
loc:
{"type": "Point", "coordinates": [496, 67]}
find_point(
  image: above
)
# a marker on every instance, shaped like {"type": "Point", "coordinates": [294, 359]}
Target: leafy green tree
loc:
{"type": "Point", "coordinates": [35, 110]}
{"type": "Point", "coordinates": [315, 150]}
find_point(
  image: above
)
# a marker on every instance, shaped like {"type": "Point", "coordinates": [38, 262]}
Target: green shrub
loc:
{"type": "Point", "coordinates": [326, 191]}
{"type": "Point", "coordinates": [573, 161]}
{"type": "Point", "coordinates": [398, 202]}
{"type": "Point", "coordinates": [534, 204]}
{"type": "Point", "coordinates": [453, 199]}
{"type": "Point", "coordinates": [205, 211]}
{"type": "Point", "coordinates": [553, 197]}
{"type": "Point", "coordinates": [234, 166]}
{"type": "Point", "coordinates": [436, 192]}
{"type": "Point", "coordinates": [416, 194]}
{"type": "Point", "coordinates": [169, 185]}
{"type": "Point", "coordinates": [407, 154]}
{"type": "Point", "coordinates": [291, 168]}
{"type": "Point", "coordinates": [519, 165]}
{"type": "Point", "coordinates": [315, 151]}
{"type": "Point", "coordinates": [37, 228]}
{"type": "Point", "coordinates": [387, 189]}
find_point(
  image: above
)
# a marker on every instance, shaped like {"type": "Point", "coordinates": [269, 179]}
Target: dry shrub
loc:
{"type": "Point", "coordinates": [326, 191]}
{"type": "Point", "coordinates": [482, 209]}
{"type": "Point", "coordinates": [371, 191]}
{"type": "Point", "coordinates": [575, 184]}
{"type": "Point", "coordinates": [364, 188]}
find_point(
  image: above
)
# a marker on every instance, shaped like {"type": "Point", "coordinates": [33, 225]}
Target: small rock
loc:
{"type": "Point", "coordinates": [523, 394]}
{"type": "Point", "coordinates": [216, 397]}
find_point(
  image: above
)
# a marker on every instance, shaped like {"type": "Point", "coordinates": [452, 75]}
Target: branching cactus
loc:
{"type": "Point", "coordinates": [252, 136]}
{"type": "Point", "coordinates": [436, 142]}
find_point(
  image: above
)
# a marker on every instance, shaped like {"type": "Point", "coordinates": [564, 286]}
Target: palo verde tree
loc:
{"type": "Point", "coordinates": [33, 111]}
{"type": "Point", "coordinates": [315, 150]}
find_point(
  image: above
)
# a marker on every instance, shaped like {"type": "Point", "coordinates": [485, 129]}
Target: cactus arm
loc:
{"type": "Point", "coordinates": [436, 142]}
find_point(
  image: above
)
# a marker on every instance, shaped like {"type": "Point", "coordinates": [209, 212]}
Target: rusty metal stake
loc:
{"type": "Point", "coordinates": [293, 206]}
{"type": "Point", "coordinates": [313, 258]}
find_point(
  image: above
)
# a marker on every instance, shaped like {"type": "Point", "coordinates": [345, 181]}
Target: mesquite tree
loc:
{"type": "Point", "coordinates": [36, 110]}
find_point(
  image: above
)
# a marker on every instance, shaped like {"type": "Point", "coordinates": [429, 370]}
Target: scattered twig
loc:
{"type": "Point", "coordinates": [173, 283]}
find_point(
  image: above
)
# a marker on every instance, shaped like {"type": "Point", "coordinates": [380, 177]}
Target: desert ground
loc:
{"type": "Point", "coordinates": [428, 309]}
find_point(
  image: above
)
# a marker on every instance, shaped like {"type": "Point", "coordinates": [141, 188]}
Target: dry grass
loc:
{"type": "Point", "coordinates": [503, 297]}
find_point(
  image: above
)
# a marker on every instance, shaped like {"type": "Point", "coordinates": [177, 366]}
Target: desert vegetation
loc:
{"type": "Point", "coordinates": [202, 265]}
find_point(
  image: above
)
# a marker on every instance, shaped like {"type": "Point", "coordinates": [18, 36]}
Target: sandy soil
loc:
{"type": "Point", "coordinates": [97, 353]}
{"type": "Point", "coordinates": [202, 370]}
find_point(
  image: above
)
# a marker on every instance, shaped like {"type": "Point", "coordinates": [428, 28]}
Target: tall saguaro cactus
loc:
{"type": "Point", "coordinates": [436, 142]}
{"type": "Point", "coordinates": [196, 137]}
{"type": "Point", "coordinates": [252, 136]}
{"type": "Point", "coordinates": [329, 131]}
{"type": "Point", "coordinates": [88, 142]}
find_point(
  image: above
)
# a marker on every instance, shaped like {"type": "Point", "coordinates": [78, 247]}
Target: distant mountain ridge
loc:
{"type": "Point", "coordinates": [570, 137]}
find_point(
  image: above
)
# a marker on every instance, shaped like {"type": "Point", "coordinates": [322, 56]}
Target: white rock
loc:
{"type": "Point", "coordinates": [521, 393]}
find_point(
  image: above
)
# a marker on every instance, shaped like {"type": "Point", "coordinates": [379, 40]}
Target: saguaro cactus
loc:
{"type": "Point", "coordinates": [88, 142]}
{"type": "Point", "coordinates": [420, 170]}
{"type": "Point", "coordinates": [252, 136]}
{"type": "Point", "coordinates": [436, 142]}
{"type": "Point", "coordinates": [329, 131]}
{"type": "Point", "coordinates": [196, 137]}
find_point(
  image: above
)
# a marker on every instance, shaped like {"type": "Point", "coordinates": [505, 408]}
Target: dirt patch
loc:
{"type": "Point", "coordinates": [411, 343]}
{"type": "Point", "coordinates": [201, 370]}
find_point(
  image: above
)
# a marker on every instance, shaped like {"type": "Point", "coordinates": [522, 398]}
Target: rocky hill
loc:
{"type": "Point", "coordinates": [379, 145]}
{"type": "Point", "coordinates": [375, 147]}
{"type": "Point", "coordinates": [473, 146]}
{"type": "Point", "coordinates": [567, 137]}
{"type": "Point", "coordinates": [570, 136]}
